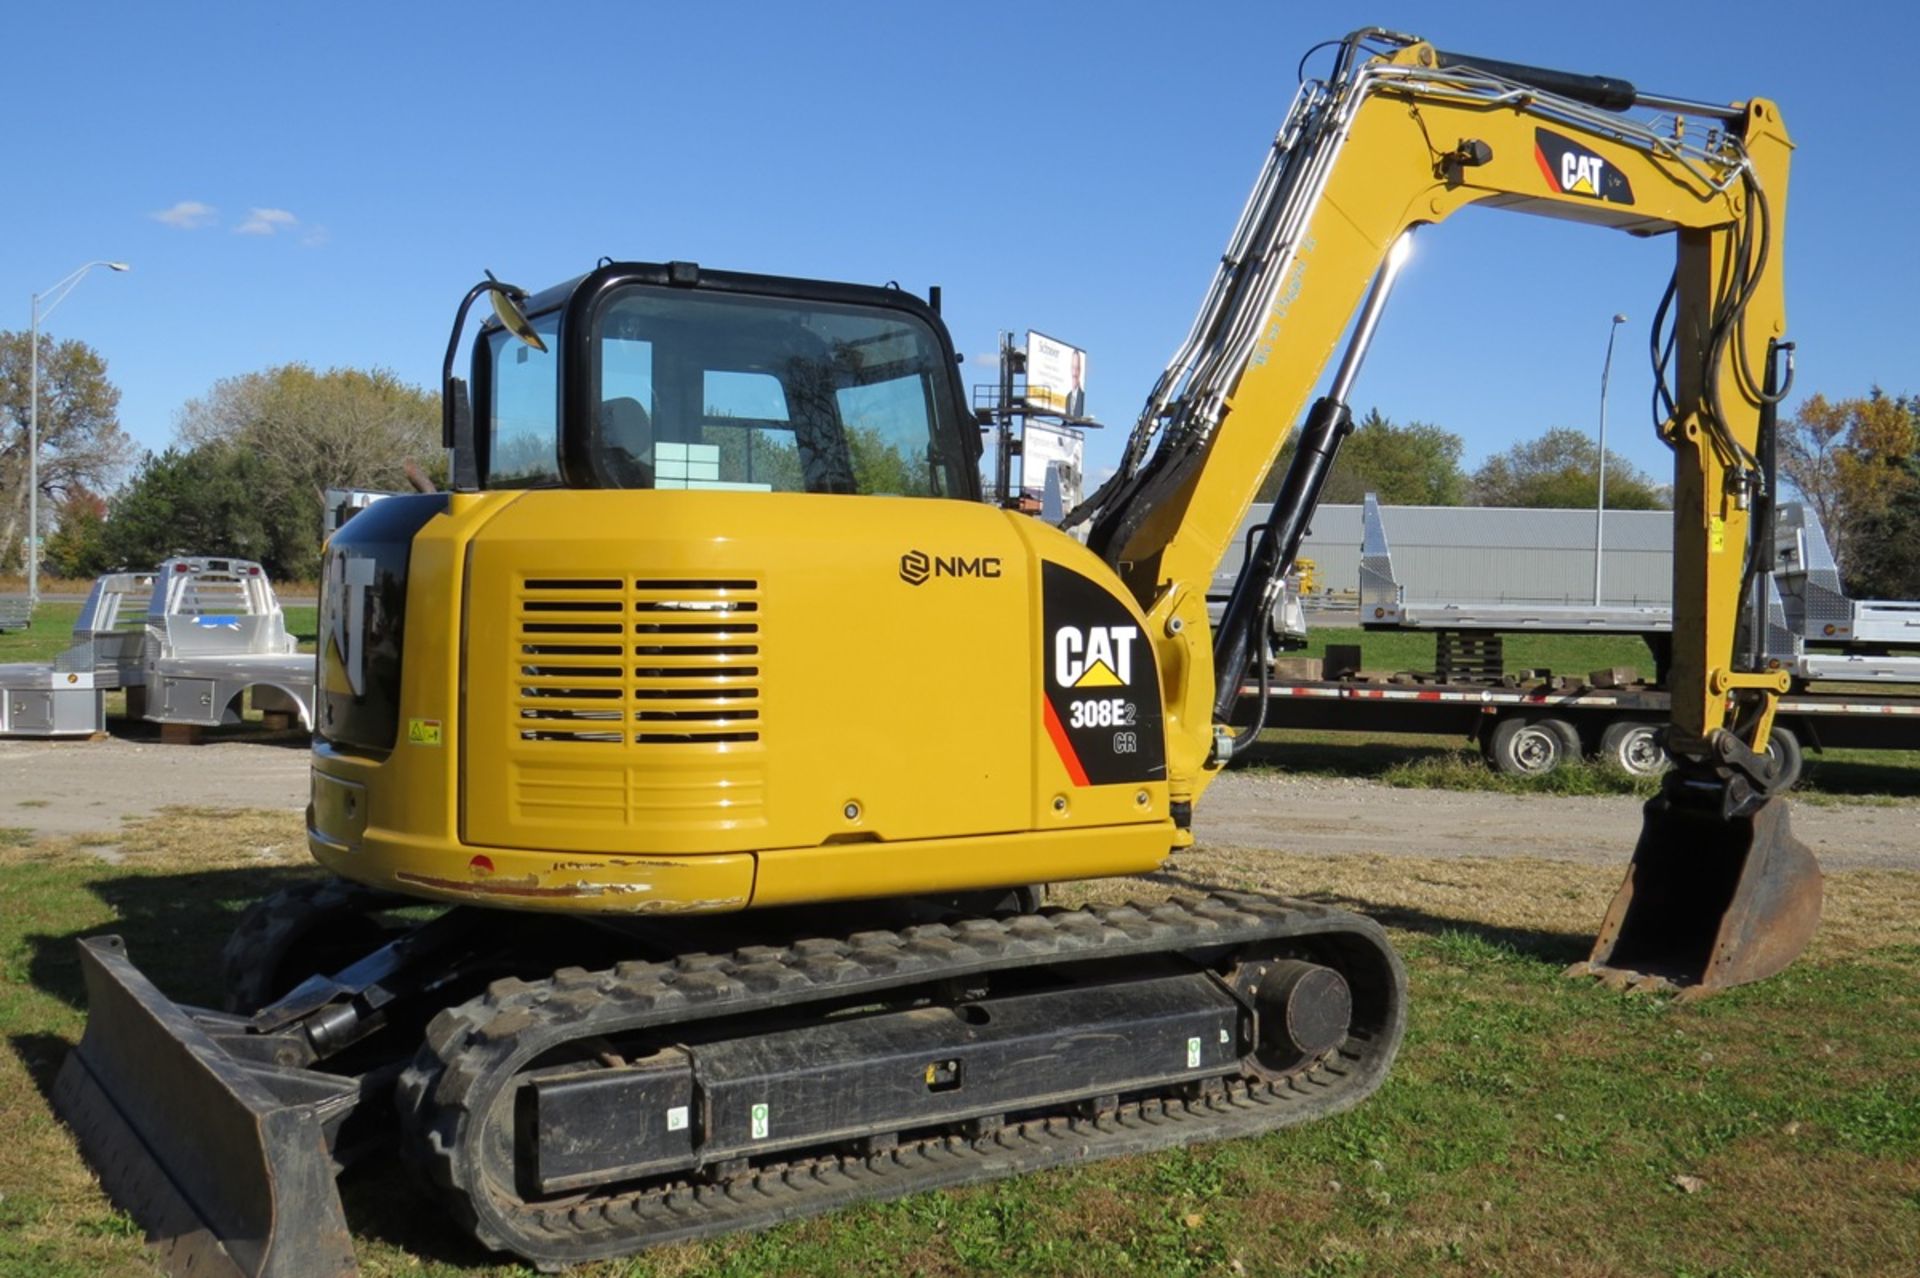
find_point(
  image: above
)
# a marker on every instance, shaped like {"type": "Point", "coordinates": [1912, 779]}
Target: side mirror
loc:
{"type": "Point", "coordinates": [456, 410]}
{"type": "Point", "coordinates": [506, 308]}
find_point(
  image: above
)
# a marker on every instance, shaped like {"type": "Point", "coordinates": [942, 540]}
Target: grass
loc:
{"type": "Point", "coordinates": [15, 583]}
{"type": "Point", "coordinates": [1533, 1124]}
{"type": "Point", "coordinates": [1574, 655]}
{"type": "Point", "coordinates": [1414, 761]}
{"type": "Point", "coordinates": [1464, 770]}
{"type": "Point", "coordinates": [52, 631]}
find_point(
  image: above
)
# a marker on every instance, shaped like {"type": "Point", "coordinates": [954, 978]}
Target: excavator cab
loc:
{"type": "Point", "coordinates": [670, 377]}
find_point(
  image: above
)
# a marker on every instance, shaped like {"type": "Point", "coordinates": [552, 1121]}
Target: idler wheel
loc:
{"type": "Point", "coordinates": [1301, 1012]}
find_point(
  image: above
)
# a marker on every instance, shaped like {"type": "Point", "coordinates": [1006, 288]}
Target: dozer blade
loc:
{"type": "Point", "coordinates": [227, 1173]}
{"type": "Point", "coordinates": [1710, 901]}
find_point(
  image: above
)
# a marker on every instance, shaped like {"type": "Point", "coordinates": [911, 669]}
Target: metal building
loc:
{"type": "Point", "coordinates": [1492, 554]}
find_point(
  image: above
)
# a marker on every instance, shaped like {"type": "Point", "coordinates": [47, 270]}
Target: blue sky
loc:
{"type": "Point", "coordinates": [1073, 168]}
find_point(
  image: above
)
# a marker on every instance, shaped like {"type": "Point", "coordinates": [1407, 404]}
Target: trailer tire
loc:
{"type": "Point", "coordinates": [1531, 747]}
{"type": "Point", "coordinates": [1784, 747]}
{"type": "Point", "coordinates": [1633, 747]}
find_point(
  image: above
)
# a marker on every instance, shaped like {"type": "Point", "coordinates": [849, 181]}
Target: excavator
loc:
{"type": "Point", "coordinates": [689, 770]}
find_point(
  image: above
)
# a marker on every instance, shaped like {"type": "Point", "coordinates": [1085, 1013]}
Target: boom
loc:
{"type": "Point", "coordinates": [1403, 135]}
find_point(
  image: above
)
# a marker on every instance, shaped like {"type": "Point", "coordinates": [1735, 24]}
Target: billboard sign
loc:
{"type": "Point", "coordinates": [1056, 376]}
{"type": "Point", "coordinates": [1044, 448]}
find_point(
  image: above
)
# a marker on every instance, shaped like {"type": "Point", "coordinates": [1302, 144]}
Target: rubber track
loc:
{"type": "Point", "coordinates": [474, 1050]}
{"type": "Point", "coordinates": [271, 926]}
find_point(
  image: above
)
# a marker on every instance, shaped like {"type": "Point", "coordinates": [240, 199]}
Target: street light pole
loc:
{"type": "Point", "coordinates": [1600, 502]}
{"type": "Point", "coordinates": [59, 294]}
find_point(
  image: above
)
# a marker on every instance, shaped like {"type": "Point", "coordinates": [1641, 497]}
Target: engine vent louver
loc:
{"type": "Point", "coordinates": [637, 661]}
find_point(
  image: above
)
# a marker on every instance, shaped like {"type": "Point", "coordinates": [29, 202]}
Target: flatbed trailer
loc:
{"type": "Point", "coordinates": [67, 697]}
{"type": "Point", "coordinates": [193, 644]}
{"type": "Point", "coordinates": [1855, 667]}
{"type": "Point", "coordinates": [1528, 729]}
{"type": "Point", "coordinates": [217, 641]}
{"type": "Point", "coordinates": [1815, 631]}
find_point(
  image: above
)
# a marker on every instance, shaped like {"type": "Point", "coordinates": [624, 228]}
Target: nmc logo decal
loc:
{"type": "Point", "coordinates": [917, 567]}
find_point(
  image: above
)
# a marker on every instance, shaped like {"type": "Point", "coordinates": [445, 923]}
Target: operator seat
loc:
{"type": "Point", "coordinates": [626, 442]}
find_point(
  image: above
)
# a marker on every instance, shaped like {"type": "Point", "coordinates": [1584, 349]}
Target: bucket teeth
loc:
{"type": "Point", "coordinates": [1625, 982]}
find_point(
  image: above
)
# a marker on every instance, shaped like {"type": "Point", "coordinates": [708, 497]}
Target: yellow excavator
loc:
{"type": "Point", "coordinates": [736, 734]}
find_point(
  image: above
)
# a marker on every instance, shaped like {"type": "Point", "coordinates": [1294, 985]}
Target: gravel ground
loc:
{"type": "Point", "coordinates": [1332, 815]}
{"type": "Point", "coordinates": [83, 787]}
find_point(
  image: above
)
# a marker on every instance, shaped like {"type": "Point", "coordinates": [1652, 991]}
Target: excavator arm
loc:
{"type": "Point", "coordinates": [1404, 135]}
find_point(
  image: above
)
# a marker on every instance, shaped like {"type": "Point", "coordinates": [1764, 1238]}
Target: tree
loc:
{"type": "Point", "coordinates": [203, 501]}
{"type": "Point", "coordinates": [1809, 445]}
{"type": "Point", "coordinates": [81, 443]}
{"type": "Point", "coordinates": [1886, 541]}
{"type": "Point", "coordinates": [78, 547]}
{"type": "Point", "coordinates": [1415, 465]}
{"type": "Point", "coordinates": [1851, 460]}
{"type": "Point", "coordinates": [305, 432]}
{"type": "Point", "coordinates": [888, 467]}
{"type": "Point", "coordinates": [1558, 471]}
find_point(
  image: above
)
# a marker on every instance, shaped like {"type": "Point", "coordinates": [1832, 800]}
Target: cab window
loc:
{"type": "Point", "coordinates": [738, 392]}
